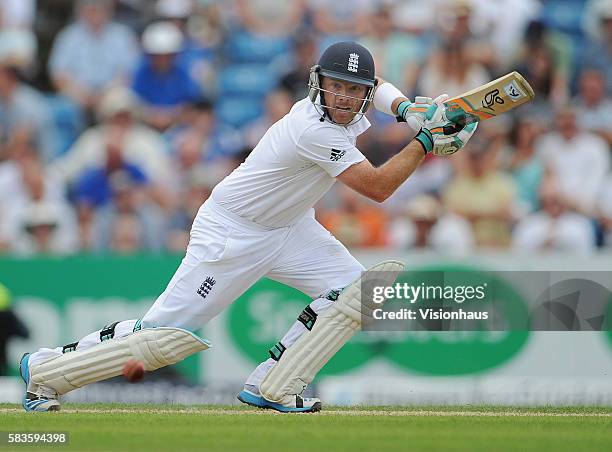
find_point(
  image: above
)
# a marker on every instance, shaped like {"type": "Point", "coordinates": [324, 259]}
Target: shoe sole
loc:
{"type": "Point", "coordinates": [252, 400]}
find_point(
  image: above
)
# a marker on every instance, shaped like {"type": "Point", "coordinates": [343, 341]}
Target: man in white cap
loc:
{"type": "Point", "coordinates": [162, 83]}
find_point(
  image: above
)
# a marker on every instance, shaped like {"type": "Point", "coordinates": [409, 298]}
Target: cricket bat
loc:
{"type": "Point", "coordinates": [490, 100]}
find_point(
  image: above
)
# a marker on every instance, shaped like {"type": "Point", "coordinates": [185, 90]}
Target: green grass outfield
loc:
{"type": "Point", "coordinates": [115, 427]}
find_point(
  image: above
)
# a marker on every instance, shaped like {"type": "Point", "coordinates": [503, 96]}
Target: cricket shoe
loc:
{"type": "Point", "coordinates": [37, 397]}
{"type": "Point", "coordinates": [295, 404]}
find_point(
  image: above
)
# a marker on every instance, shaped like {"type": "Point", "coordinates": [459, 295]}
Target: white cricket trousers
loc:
{"type": "Point", "coordinates": [226, 255]}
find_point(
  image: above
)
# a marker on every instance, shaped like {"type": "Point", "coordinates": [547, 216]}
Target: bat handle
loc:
{"type": "Point", "coordinates": [457, 126]}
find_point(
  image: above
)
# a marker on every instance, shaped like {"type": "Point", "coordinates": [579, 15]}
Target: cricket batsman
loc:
{"type": "Point", "coordinates": [259, 222]}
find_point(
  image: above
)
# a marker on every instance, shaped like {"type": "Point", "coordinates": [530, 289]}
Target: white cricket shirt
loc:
{"type": "Point", "coordinates": [291, 168]}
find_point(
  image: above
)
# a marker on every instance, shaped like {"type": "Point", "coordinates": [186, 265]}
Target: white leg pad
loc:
{"type": "Point", "coordinates": [154, 347]}
{"type": "Point", "coordinates": [300, 363]}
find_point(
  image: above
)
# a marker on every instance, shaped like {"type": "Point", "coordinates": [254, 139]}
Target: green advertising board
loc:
{"type": "Point", "coordinates": [424, 352]}
{"type": "Point", "coordinates": [83, 293]}
{"type": "Point", "coordinates": [69, 297]}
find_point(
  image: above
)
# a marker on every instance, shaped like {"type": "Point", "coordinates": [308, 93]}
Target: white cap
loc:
{"type": "Point", "coordinates": [17, 47]}
{"type": "Point", "coordinates": [424, 207]}
{"type": "Point", "coordinates": [40, 213]}
{"type": "Point", "coordinates": [115, 100]}
{"type": "Point", "coordinates": [174, 9]}
{"type": "Point", "coordinates": [605, 10]}
{"type": "Point", "coordinates": [162, 38]}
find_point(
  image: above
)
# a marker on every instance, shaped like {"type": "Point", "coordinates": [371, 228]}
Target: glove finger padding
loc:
{"type": "Point", "coordinates": [440, 99]}
{"type": "Point", "coordinates": [422, 110]}
{"type": "Point", "coordinates": [415, 114]}
{"type": "Point", "coordinates": [449, 144]}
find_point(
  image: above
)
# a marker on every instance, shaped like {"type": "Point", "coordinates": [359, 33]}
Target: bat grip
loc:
{"type": "Point", "coordinates": [454, 128]}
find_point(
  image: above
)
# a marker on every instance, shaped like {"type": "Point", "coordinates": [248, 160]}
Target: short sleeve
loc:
{"type": "Point", "coordinates": [329, 148]}
{"type": "Point", "coordinates": [62, 52]}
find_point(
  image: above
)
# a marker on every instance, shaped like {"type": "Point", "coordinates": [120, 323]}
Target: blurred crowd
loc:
{"type": "Point", "coordinates": [118, 117]}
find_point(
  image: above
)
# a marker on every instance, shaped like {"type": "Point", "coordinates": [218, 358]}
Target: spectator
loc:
{"type": "Point", "coordinates": [26, 117]}
{"type": "Point", "coordinates": [21, 175]}
{"type": "Point", "coordinates": [93, 189]}
{"type": "Point", "coordinates": [356, 222]}
{"type": "Point", "coordinates": [206, 24]}
{"type": "Point", "coordinates": [130, 222]}
{"type": "Point", "coordinates": [270, 17]}
{"type": "Point", "coordinates": [295, 80]}
{"type": "Point", "coordinates": [163, 85]}
{"type": "Point", "coordinates": [189, 161]}
{"type": "Point", "coordinates": [134, 14]}
{"type": "Point", "coordinates": [340, 19]}
{"type": "Point", "coordinates": [386, 140]}
{"type": "Point", "coordinates": [521, 161]}
{"type": "Point", "coordinates": [198, 185]}
{"type": "Point", "coordinates": [397, 54]}
{"type": "Point", "coordinates": [432, 176]}
{"type": "Point", "coordinates": [176, 12]}
{"type": "Point", "coordinates": [554, 227]}
{"type": "Point", "coordinates": [545, 60]}
{"type": "Point", "coordinates": [277, 104]}
{"type": "Point", "coordinates": [576, 160]}
{"type": "Point", "coordinates": [591, 17]}
{"type": "Point", "coordinates": [18, 43]}
{"type": "Point", "coordinates": [415, 16]}
{"type": "Point", "coordinates": [456, 22]}
{"type": "Point", "coordinates": [426, 226]}
{"type": "Point", "coordinates": [197, 55]}
{"type": "Point", "coordinates": [45, 228]}
{"type": "Point", "coordinates": [119, 126]}
{"type": "Point", "coordinates": [484, 195]}
{"type": "Point", "coordinates": [198, 127]}
{"type": "Point", "coordinates": [92, 54]}
{"type": "Point", "coordinates": [598, 51]}
{"type": "Point", "coordinates": [10, 326]}
{"type": "Point", "coordinates": [18, 48]}
{"type": "Point", "coordinates": [126, 234]}
{"type": "Point", "coordinates": [41, 222]}
{"type": "Point", "coordinates": [17, 13]}
{"type": "Point", "coordinates": [119, 142]}
{"type": "Point", "coordinates": [593, 108]}
{"type": "Point", "coordinates": [451, 70]}
{"type": "Point", "coordinates": [503, 22]}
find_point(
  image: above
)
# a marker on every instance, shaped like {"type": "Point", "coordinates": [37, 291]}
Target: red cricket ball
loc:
{"type": "Point", "coordinates": [133, 370]}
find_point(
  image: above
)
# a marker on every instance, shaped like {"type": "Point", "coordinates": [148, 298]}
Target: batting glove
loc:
{"type": "Point", "coordinates": [447, 136]}
{"type": "Point", "coordinates": [415, 113]}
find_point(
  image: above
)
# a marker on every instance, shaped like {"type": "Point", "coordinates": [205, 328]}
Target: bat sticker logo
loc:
{"type": "Point", "coordinates": [492, 98]}
{"type": "Point", "coordinates": [513, 92]}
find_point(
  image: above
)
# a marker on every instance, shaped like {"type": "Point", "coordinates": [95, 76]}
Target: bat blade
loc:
{"type": "Point", "coordinates": [490, 100]}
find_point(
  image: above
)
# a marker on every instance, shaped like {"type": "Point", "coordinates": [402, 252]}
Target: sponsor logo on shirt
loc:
{"type": "Point", "coordinates": [336, 155]}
